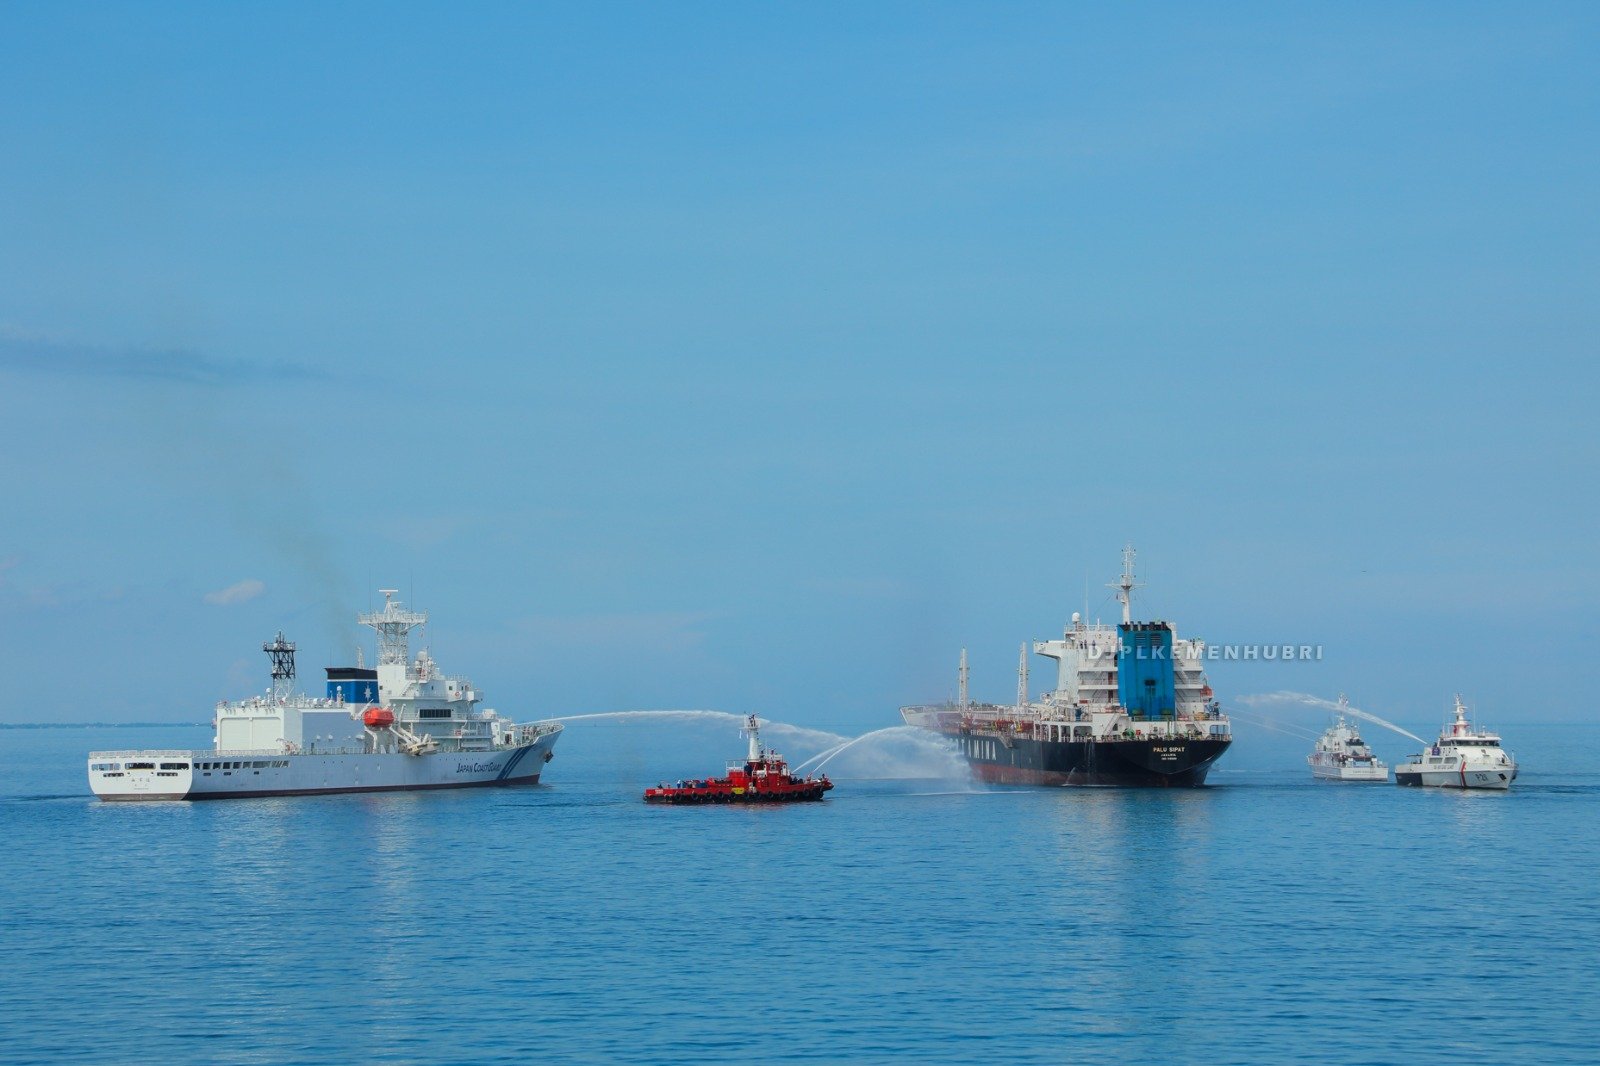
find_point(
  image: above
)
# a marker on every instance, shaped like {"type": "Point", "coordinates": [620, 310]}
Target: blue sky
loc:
{"type": "Point", "coordinates": [763, 357]}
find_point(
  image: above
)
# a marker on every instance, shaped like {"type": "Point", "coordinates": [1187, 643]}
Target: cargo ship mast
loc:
{"type": "Point", "coordinates": [1125, 586]}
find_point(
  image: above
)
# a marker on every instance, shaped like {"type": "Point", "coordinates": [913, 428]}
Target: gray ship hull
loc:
{"type": "Point", "coordinates": [206, 775]}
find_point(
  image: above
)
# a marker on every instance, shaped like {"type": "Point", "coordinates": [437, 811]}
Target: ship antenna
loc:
{"type": "Point", "coordinates": [1126, 585]}
{"type": "Point", "coordinates": [281, 652]}
{"type": "Point", "coordinates": [961, 682]}
{"type": "Point", "coordinates": [1022, 678]}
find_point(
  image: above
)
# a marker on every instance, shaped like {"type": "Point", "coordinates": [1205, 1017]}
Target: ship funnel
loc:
{"type": "Point", "coordinates": [1146, 681]}
{"type": "Point", "coordinates": [352, 684]}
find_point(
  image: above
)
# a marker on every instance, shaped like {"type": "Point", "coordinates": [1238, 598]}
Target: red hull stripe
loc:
{"type": "Point", "coordinates": [994, 774]}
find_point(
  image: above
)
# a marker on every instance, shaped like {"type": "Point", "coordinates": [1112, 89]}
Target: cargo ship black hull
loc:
{"type": "Point", "coordinates": [1132, 763]}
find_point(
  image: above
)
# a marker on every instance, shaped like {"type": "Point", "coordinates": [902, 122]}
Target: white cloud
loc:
{"type": "Point", "coordinates": [239, 592]}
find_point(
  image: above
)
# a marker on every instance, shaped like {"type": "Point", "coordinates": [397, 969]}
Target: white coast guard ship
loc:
{"type": "Point", "coordinates": [1341, 754]}
{"type": "Point", "coordinates": [402, 726]}
{"type": "Point", "coordinates": [1463, 758]}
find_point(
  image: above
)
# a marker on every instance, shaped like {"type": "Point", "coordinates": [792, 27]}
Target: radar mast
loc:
{"type": "Point", "coordinates": [394, 623]}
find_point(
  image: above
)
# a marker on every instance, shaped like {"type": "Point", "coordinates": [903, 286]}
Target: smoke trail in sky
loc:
{"type": "Point", "coordinates": [263, 492]}
{"type": "Point", "coordinates": [1307, 700]}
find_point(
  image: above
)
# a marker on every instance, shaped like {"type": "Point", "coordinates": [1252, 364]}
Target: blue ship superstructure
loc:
{"type": "Point", "coordinates": [1146, 680]}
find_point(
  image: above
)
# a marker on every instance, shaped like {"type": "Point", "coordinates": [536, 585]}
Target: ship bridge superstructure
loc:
{"type": "Point", "coordinates": [405, 704]}
{"type": "Point", "coordinates": [1142, 667]}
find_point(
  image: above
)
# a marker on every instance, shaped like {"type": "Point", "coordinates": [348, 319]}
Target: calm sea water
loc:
{"type": "Point", "coordinates": [1265, 919]}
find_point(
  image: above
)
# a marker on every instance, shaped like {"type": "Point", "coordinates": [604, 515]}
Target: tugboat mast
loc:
{"type": "Point", "coordinates": [752, 729]}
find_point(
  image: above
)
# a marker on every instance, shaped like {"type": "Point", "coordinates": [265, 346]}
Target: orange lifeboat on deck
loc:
{"type": "Point", "coordinates": [378, 718]}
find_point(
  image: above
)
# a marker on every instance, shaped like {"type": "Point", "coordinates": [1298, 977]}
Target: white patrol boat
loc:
{"type": "Point", "coordinates": [402, 726]}
{"type": "Point", "coordinates": [1463, 758]}
{"type": "Point", "coordinates": [1341, 754]}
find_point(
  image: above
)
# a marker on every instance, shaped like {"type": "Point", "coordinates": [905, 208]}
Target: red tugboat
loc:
{"type": "Point", "coordinates": [763, 778]}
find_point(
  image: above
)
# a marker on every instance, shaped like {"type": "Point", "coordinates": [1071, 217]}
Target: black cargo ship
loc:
{"type": "Point", "coordinates": [1131, 707]}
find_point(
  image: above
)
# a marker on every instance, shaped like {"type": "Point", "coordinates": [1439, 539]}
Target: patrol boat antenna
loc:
{"type": "Point", "coordinates": [281, 652]}
{"type": "Point", "coordinates": [961, 681]}
{"type": "Point", "coordinates": [1124, 587]}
